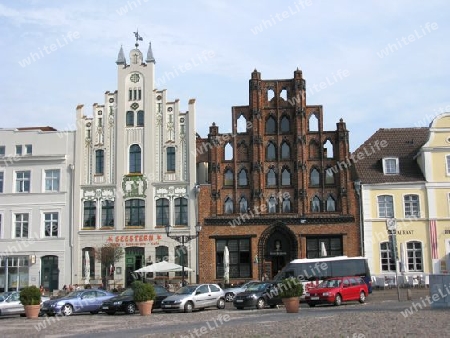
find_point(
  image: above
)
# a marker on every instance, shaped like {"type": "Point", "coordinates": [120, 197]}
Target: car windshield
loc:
{"type": "Point", "coordinates": [256, 287]}
{"type": "Point", "coordinates": [331, 283]}
{"type": "Point", "coordinates": [127, 292]}
{"type": "Point", "coordinates": [186, 290]}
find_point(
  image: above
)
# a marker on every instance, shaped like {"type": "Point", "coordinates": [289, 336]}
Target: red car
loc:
{"type": "Point", "coordinates": [337, 290]}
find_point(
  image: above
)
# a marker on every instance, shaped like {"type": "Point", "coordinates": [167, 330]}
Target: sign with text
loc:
{"type": "Point", "coordinates": [134, 240]}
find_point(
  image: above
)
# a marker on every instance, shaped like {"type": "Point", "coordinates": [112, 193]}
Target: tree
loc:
{"type": "Point", "coordinates": [108, 255]}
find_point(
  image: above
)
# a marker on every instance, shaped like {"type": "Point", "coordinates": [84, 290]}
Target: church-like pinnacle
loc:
{"type": "Point", "coordinates": [121, 57]}
{"type": "Point", "coordinates": [150, 57]}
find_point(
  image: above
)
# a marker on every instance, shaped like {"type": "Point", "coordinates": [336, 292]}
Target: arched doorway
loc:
{"type": "Point", "coordinates": [134, 259]}
{"type": "Point", "coordinates": [277, 246]}
{"type": "Point", "coordinates": [50, 273]}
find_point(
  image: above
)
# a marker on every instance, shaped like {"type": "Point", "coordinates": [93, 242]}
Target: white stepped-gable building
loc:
{"type": "Point", "coordinates": [36, 241]}
{"type": "Point", "coordinates": [135, 174]}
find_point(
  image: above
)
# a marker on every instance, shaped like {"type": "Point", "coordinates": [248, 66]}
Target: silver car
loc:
{"type": "Point", "coordinates": [230, 293]}
{"type": "Point", "coordinates": [10, 303]}
{"type": "Point", "coordinates": [191, 297]}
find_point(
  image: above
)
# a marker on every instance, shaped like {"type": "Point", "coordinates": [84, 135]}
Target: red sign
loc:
{"type": "Point", "coordinates": [135, 240]}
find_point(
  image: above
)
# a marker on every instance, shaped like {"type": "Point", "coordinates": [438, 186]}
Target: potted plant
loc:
{"type": "Point", "coordinates": [144, 295]}
{"type": "Point", "coordinates": [291, 290]}
{"type": "Point", "coordinates": [30, 297]}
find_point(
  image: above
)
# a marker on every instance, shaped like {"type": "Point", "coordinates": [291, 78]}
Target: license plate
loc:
{"type": "Point", "coordinates": [314, 298]}
{"type": "Point", "coordinates": [239, 300]}
{"type": "Point", "coordinates": [105, 307]}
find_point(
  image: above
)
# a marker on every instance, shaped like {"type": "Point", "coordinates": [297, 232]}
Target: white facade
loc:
{"type": "Point", "coordinates": [35, 207]}
{"type": "Point", "coordinates": [135, 172]}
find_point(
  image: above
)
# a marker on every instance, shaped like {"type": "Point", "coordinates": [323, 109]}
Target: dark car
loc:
{"type": "Point", "coordinates": [259, 295]}
{"type": "Point", "coordinates": [124, 302]}
{"type": "Point", "coordinates": [88, 300]}
{"type": "Point", "coordinates": [337, 290]}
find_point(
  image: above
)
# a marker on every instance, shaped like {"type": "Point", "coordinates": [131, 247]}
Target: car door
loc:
{"type": "Point", "coordinates": [215, 293]}
{"type": "Point", "coordinates": [346, 289]}
{"type": "Point", "coordinates": [13, 304]}
{"type": "Point", "coordinates": [354, 288]}
{"type": "Point", "coordinates": [100, 297]}
{"type": "Point", "coordinates": [89, 301]}
{"type": "Point", "coordinates": [202, 296]}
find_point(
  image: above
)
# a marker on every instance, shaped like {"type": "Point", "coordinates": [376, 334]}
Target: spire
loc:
{"type": "Point", "coordinates": [121, 57]}
{"type": "Point", "coordinates": [150, 57]}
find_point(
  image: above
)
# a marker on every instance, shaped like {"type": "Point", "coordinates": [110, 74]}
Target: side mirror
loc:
{"type": "Point", "coordinates": [198, 293]}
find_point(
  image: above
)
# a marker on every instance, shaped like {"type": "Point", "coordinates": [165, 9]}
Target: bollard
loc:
{"type": "Point", "coordinates": [408, 294]}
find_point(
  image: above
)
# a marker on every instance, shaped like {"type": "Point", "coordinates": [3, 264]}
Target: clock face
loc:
{"type": "Point", "coordinates": [391, 224]}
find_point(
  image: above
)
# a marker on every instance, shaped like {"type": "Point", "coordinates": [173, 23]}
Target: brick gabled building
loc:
{"type": "Point", "coordinates": [275, 188]}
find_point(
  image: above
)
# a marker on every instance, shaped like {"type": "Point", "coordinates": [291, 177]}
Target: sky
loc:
{"type": "Point", "coordinates": [376, 64]}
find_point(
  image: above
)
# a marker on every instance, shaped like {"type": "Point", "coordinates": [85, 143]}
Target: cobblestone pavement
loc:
{"type": "Point", "coordinates": [382, 316]}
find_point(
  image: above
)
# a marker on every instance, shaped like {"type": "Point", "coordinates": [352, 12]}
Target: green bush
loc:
{"type": "Point", "coordinates": [290, 287]}
{"type": "Point", "coordinates": [30, 295]}
{"type": "Point", "coordinates": [143, 291]}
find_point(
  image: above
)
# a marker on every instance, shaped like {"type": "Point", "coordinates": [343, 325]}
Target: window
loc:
{"type": "Point", "coordinates": [107, 214]}
{"type": "Point", "coordinates": [51, 224]}
{"type": "Point", "coordinates": [286, 204]}
{"type": "Point", "coordinates": [315, 177]}
{"type": "Point", "coordinates": [181, 211]}
{"type": "Point", "coordinates": [448, 164]}
{"type": "Point", "coordinates": [270, 152]}
{"type": "Point", "coordinates": [412, 206]}
{"type": "Point", "coordinates": [18, 150]}
{"type": "Point", "coordinates": [170, 158]}
{"type": "Point", "coordinates": [140, 118]}
{"type": "Point", "coordinates": [23, 181]}
{"type": "Point", "coordinates": [285, 125]}
{"type": "Point", "coordinates": [135, 212]}
{"type": "Point", "coordinates": [28, 149]}
{"type": "Point", "coordinates": [333, 246]}
{"type": "Point", "coordinates": [228, 177]}
{"type": "Point", "coordinates": [52, 180]}
{"type": "Point", "coordinates": [385, 206]}
{"type": "Point", "coordinates": [285, 151]}
{"type": "Point", "coordinates": [272, 205]}
{"type": "Point", "coordinates": [228, 207]}
{"type": "Point", "coordinates": [270, 125]}
{"type": "Point", "coordinates": [135, 159]}
{"type": "Point", "coordinates": [1, 182]}
{"type": "Point", "coordinates": [387, 259]}
{"type": "Point", "coordinates": [285, 177]}
{"type": "Point", "coordinates": [390, 166]}
{"type": "Point", "coordinates": [130, 119]}
{"type": "Point", "coordinates": [329, 176]}
{"type": "Point", "coordinates": [243, 205]}
{"type": "Point", "coordinates": [243, 177]}
{"type": "Point", "coordinates": [2, 151]}
{"type": "Point", "coordinates": [240, 257]}
{"type": "Point", "coordinates": [315, 204]}
{"type": "Point", "coordinates": [331, 204]}
{"type": "Point", "coordinates": [21, 225]}
{"type": "Point", "coordinates": [99, 161]}
{"type": "Point", "coordinates": [414, 253]}
{"type": "Point", "coordinates": [228, 152]}
{"type": "Point", "coordinates": [162, 254]}
{"type": "Point", "coordinates": [89, 214]}
{"type": "Point", "coordinates": [271, 178]}
{"type": "Point", "coordinates": [162, 212]}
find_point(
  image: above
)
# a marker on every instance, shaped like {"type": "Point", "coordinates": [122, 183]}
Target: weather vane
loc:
{"type": "Point", "coordinates": [138, 38]}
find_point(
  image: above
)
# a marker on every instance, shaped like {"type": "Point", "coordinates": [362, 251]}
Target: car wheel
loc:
{"type": "Point", "coordinates": [362, 297]}
{"type": "Point", "coordinates": [94, 312]}
{"type": "Point", "coordinates": [130, 309]}
{"type": "Point", "coordinates": [338, 300]}
{"type": "Point", "coordinates": [311, 304]}
{"type": "Point", "coordinates": [188, 307]}
{"type": "Point", "coordinates": [229, 297]}
{"type": "Point", "coordinates": [111, 312]}
{"type": "Point", "coordinates": [67, 310]}
{"type": "Point", "coordinates": [260, 303]}
{"type": "Point", "coordinates": [221, 303]}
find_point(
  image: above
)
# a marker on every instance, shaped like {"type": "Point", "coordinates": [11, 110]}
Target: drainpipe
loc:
{"type": "Point", "coordinates": [358, 189]}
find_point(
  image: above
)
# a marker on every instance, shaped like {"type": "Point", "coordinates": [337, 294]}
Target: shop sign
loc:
{"type": "Point", "coordinates": [134, 240]}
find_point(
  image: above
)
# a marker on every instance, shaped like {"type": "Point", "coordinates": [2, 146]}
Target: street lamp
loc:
{"type": "Point", "coordinates": [183, 239]}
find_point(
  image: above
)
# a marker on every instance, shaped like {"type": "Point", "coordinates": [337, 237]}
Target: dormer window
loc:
{"type": "Point", "coordinates": [390, 165]}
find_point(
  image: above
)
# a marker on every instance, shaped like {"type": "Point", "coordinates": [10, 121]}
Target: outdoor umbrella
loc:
{"type": "Point", "coordinates": [162, 267]}
{"type": "Point", "coordinates": [323, 249]}
{"type": "Point", "coordinates": [87, 267]}
{"type": "Point", "coordinates": [226, 265]}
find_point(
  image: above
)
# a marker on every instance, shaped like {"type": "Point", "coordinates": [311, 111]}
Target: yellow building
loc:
{"type": "Point", "coordinates": [394, 191]}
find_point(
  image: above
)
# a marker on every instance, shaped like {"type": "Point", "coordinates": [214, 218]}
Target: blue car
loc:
{"type": "Point", "coordinates": [89, 300]}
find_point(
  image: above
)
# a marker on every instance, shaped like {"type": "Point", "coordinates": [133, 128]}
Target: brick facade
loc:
{"type": "Point", "coordinates": [260, 185]}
